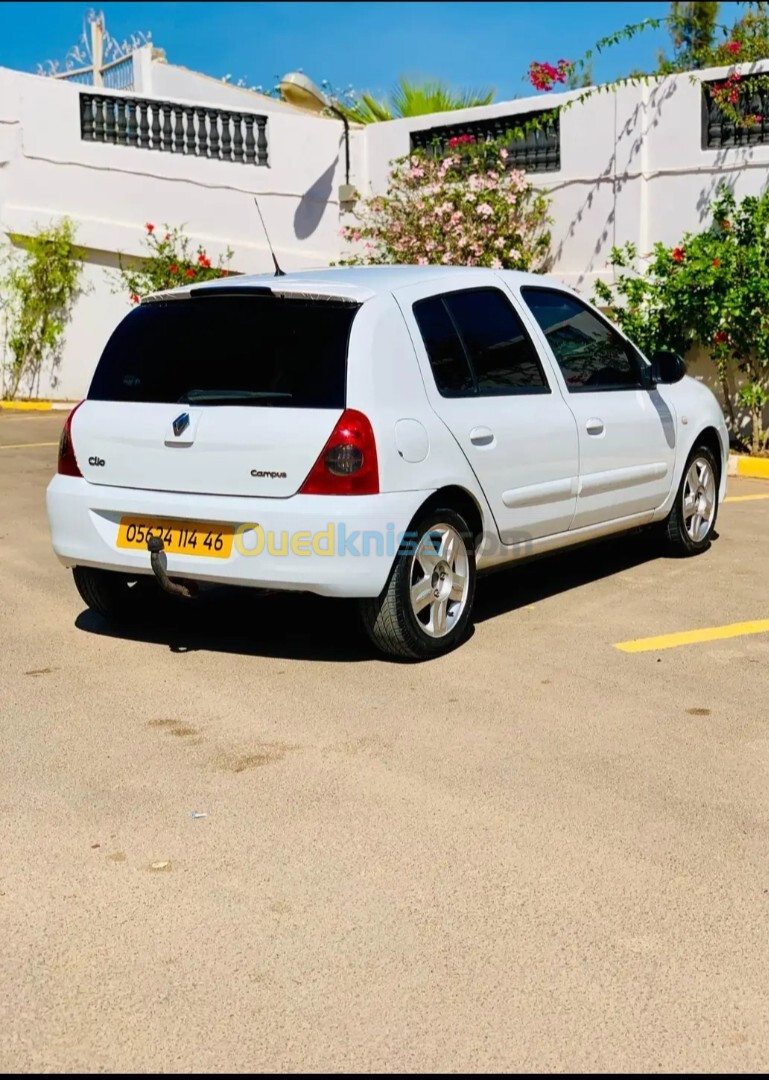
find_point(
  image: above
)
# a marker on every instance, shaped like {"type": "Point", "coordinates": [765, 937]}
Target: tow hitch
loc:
{"type": "Point", "coordinates": [155, 547]}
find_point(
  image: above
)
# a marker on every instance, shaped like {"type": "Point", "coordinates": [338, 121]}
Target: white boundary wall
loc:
{"type": "Point", "coordinates": [632, 168]}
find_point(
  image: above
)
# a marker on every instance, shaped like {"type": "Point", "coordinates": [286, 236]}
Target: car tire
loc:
{"type": "Point", "coordinates": [116, 597]}
{"type": "Point", "coordinates": [689, 526]}
{"type": "Point", "coordinates": [425, 608]}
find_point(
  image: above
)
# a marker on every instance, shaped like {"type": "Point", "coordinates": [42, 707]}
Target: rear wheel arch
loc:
{"type": "Point", "coordinates": [458, 499]}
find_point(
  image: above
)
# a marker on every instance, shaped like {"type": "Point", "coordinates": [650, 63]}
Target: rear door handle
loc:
{"type": "Point", "coordinates": [594, 426]}
{"type": "Point", "coordinates": [481, 436]}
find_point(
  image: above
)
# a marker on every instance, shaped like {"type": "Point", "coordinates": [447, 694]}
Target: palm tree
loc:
{"type": "Point", "coordinates": [414, 99]}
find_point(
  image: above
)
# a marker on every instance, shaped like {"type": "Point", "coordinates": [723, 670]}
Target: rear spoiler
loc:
{"type": "Point", "coordinates": [287, 290]}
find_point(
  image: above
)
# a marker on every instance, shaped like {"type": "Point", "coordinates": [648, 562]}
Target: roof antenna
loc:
{"type": "Point", "coordinates": [278, 271]}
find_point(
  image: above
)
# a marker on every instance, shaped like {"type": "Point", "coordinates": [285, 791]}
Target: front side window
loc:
{"type": "Point", "coordinates": [590, 352]}
{"type": "Point", "coordinates": [477, 345]}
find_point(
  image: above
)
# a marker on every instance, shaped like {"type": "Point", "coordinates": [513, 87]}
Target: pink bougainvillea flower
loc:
{"type": "Point", "coordinates": [149, 227]}
{"type": "Point", "coordinates": [678, 254]}
{"type": "Point", "coordinates": [545, 76]}
{"type": "Point", "coordinates": [733, 47]}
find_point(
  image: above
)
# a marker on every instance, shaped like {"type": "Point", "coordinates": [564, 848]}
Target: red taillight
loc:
{"type": "Point", "coordinates": [348, 462]}
{"type": "Point", "coordinates": [68, 465]}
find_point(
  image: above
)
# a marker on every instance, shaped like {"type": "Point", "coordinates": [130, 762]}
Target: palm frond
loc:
{"type": "Point", "coordinates": [409, 98]}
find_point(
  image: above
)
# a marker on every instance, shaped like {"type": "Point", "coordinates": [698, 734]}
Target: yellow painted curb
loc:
{"type": "Point", "coordinates": [758, 468]}
{"type": "Point", "coordinates": [24, 445]}
{"type": "Point", "coordinates": [27, 406]}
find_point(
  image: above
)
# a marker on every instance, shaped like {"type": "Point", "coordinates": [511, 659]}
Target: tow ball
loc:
{"type": "Point", "coordinates": [155, 547]}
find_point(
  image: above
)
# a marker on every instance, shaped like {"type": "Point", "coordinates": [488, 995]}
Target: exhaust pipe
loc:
{"type": "Point", "coordinates": [188, 592]}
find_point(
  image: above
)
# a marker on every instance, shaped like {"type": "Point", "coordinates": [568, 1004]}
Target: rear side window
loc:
{"type": "Point", "coordinates": [229, 350]}
{"type": "Point", "coordinates": [590, 352]}
{"type": "Point", "coordinates": [481, 342]}
{"type": "Point", "coordinates": [448, 360]}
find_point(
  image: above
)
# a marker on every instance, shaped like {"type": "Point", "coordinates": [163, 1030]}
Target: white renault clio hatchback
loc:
{"type": "Point", "coordinates": [381, 433]}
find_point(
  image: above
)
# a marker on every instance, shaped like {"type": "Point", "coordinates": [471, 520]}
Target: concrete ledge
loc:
{"type": "Point", "coordinates": [741, 465]}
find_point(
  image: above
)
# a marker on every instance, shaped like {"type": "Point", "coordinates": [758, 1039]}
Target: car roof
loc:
{"type": "Point", "coordinates": [354, 282]}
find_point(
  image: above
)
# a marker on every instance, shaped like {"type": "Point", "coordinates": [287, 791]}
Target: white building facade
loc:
{"type": "Point", "coordinates": [639, 163]}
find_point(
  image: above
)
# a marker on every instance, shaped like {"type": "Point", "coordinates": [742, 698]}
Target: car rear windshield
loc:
{"type": "Point", "coordinates": [229, 350]}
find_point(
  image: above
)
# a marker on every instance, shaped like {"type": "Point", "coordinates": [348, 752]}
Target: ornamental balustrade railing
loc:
{"type": "Point", "coordinates": [539, 150]}
{"type": "Point", "coordinates": [720, 131]}
{"type": "Point", "coordinates": [194, 130]}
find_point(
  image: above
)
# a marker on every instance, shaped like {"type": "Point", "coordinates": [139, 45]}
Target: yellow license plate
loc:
{"type": "Point", "coordinates": [179, 537]}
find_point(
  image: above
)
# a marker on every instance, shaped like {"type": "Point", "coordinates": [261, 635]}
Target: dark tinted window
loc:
{"type": "Point", "coordinates": [477, 345]}
{"type": "Point", "coordinates": [229, 350]}
{"type": "Point", "coordinates": [501, 354]}
{"type": "Point", "coordinates": [448, 361]}
{"type": "Point", "coordinates": [590, 352]}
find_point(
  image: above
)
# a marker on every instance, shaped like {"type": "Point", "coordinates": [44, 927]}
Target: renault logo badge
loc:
{"type": "Point", "coordinates": [181, 423]}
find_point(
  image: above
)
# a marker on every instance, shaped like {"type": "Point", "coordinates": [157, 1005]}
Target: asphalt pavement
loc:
{"type": "Point", "coordinates": [238, 839]}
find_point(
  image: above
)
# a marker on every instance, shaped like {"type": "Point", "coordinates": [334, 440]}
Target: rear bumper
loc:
{"type": "Point", "coordinates": [334, 546]}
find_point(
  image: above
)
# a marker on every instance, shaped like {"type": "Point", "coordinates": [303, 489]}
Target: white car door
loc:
{"type": "Point", "coordinates": [627, 430]}
{"type": "Point", "coordinates": [485, 380]}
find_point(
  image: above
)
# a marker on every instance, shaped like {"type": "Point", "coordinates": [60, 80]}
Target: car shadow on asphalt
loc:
{"type": "Point", "coordinates": [520, 586]}
{"type": "Point", "coordinates": [300, 626]}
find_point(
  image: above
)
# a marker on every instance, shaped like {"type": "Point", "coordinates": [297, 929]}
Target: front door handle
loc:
{"type": "Point", "coordinates": [594, 426]}
{"type": "Point", "coordinates": [481, 436]}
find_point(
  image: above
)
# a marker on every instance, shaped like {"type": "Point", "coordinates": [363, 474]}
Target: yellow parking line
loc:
{"type": "Point", "coordinates": [744, 498]}
{"type": "Point", "coordinates": [692, 637]}
{"type": "Point", "coordinates": [21, 445]}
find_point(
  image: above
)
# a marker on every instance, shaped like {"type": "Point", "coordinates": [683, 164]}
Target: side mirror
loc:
{"type": "Point", "coordinates": [667, 367]}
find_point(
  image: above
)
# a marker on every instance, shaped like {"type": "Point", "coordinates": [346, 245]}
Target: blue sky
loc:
{"type": "Point", "coordinates": [367, 45]}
